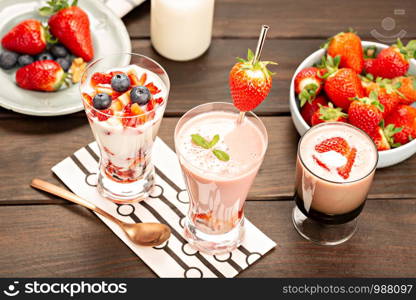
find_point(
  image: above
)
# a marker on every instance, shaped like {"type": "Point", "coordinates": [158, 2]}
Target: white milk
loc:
{"type": "Point", "coordinates": [181, 29]}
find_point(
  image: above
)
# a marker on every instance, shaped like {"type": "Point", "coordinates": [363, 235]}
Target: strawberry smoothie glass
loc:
{"type": "Point", "coordinates": [219, 160]}
{"type": "Point", "coordinates": [124, 122]}
{"type": "Point", "coordinates": [335, 167]}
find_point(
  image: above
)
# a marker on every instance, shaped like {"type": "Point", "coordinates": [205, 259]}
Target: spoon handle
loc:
{"type": "Point", "coordinates": [65, 194]}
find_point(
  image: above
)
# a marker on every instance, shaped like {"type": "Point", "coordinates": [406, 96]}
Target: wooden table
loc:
{"type": "Point", "coordinates": [42, 235]}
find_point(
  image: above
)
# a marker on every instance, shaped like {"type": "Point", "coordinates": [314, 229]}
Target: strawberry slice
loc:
{"type": "Point", "coordinates": [100, 78]}
{"type": "Point", "coordinates": [152, 88]}
{"type": "Point", "coordinates": [337, 144]}
{"type": "Point", "coordinates": [345, 170]}
{"type": "Point", "coordinates": [320, 163]}
{"type": "Point", "coordinates": [340, 145]}
{"type": "Point", "coordinates": [142, 79]}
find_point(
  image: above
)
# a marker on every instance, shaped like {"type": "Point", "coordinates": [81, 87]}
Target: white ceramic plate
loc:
{"type": "Point", "coordinates": [109, 36]}
{"type": "Point", "coordinates": [386, 158]}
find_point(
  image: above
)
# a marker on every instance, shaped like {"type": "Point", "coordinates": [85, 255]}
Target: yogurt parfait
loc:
{"type": "Point", "coordinates": [125, 106]}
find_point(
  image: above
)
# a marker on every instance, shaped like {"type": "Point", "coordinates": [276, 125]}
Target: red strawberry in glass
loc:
{"type": "Point", "coordinates": [250, 82]}
{"type": "Point", "coordinates": [71, 26]}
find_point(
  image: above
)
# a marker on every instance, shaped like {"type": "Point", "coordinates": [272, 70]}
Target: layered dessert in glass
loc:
{"type": "Point", "coordinates": [125, 106]}
{"type": "Point", "coordinates": [334, 172]}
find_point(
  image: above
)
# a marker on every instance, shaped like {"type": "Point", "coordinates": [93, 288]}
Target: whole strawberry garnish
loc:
{"type": "Point", "coordinates": [328, 114]}
{"type": "Point", "coordinates": [340, 145]}
{"type": "Point", "coordinates": [366, 113]}
{"type": "Point", "coordinates": [42, 75]}
{"type": "Point", "coordinates": [308, 84]}
{"type": "Point", "coordinates": [28, 37]}
{"type": "Point", "coordinates": [341, 84]}
{"type": "Point", "coordinates": [71, 26]}
{"type": "Point", "coordinates": [309, 108]}
{"type": "Point", "coordinates": [379, 138]}
{"type": "Point", "coordinates": [250, 82]}
{"type": "Point", "coordinates": [393, 61]}
{"type": "Point", "coordinates": [403, 117]}
{"type": "Point", "coordinates": [348, 46]}
{"type": "Point", "coordinates": [407, 88]}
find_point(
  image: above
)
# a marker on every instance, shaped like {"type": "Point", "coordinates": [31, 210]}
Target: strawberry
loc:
{"type": "Point", "coordinates": [328, 114]}
{"type": "Point", "coordinates": [379, 138]}
{"type": "Point", "coordinates": [100, 78]}
{"type": "Point", "coordinates": [368, 66]}
{"type": "Point", "coordinates": [337, 144]}
{"type": "Point", "coordinates": [27, 37]}
{"type": "Point", "coordinates": [393, 61]}
{"type": "Point", "coordinates": [250, 82]}
{"type": "Point", "coordinates": [403, 117]}
{"type": "Point", "coordinates": [340, 145]}
{"type": "Point", "coordinates": [348, 46]}
{"type": "Point", "coordinates": [43, 75]}
{"type": "Point", "coordinates": [309, 108]}
{"type": "Point", "coordinates": [388, 94]}
{"type": "Point", "coordinates": [342, 85]}
{"type": "Point", "coordinates": [407, 88]}
{"type": "Point", "coordinates": [308, 84]}
{"type": "Point", "coordinates": [366, 113]}
{"type": "Point", "coordinates": [71, 26]}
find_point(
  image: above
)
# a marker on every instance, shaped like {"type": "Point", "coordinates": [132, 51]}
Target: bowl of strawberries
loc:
{"type": "Point", "coordinates": [367, 84]}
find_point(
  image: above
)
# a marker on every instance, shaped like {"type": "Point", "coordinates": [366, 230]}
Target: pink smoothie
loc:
{"type": "Point", "coordinates": [322, 188]}
{"type": "Point", "coordinates": [218, 189]}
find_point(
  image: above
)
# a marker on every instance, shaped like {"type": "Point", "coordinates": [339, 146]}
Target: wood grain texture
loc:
{"type": "Point", "coordinates": [294, 19]}
{"type": "Point", "coordinates": [31, 146]}
{"type": "Point", "coordinates": [69, 241]}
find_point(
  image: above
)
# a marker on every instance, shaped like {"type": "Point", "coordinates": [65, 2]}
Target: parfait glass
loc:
{"type": "Point", "coordinates": [125, 140]}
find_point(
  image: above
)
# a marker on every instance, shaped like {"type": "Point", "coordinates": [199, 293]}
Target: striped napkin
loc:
{"type": "Point", "coordinates": [122, 7]}
{"type": "Point", "coordinates": [167, 204]}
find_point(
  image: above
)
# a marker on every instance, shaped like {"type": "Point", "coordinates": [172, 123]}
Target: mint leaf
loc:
{"type": "Point", "coordinates": [214, 141]}
{"type": "Point", "coordinates": [200, 141]}
{"type": "Point", "coordinates": [221, 155]}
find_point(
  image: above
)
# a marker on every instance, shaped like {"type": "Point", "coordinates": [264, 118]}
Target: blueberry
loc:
{"type": "Point", "coordinates": [59, 51]}
{"type": "Point", "coordinates": [8, 59]}
{"type": "Point", "coordinates": [120, 82]}
{"type": "Point", "coordinates": [140, 95]}
{"type": "Point", "coordinates": [44, 56]}
{"type": "Point", "coordinates": [25, 60]}
{"type": "Point", "coordinates": [102, 101]}
{"type": "Point", "coordinates": [65, 63]}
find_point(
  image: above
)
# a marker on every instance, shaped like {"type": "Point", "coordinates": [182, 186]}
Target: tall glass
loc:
{"type": "Point", "coordinates": [217, 188]}
{"type": "Point", "coordinates": [125, 142]}
{"type": "Point", "coordinates": [327, 206]}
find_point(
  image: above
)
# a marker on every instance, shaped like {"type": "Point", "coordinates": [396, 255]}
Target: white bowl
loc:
{"type": "Point", "coordinates": [387, 158]}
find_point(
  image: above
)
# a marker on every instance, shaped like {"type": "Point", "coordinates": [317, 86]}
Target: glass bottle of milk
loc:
{"type": "Point", "coordinates": [181, 29]}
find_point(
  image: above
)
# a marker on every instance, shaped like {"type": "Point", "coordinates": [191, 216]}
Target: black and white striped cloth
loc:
{"type": "Point", "coordinates": [122, 7]}
{"type": "Point", "coordinates": [168, 204]}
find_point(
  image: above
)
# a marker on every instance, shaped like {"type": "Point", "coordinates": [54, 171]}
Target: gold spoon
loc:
{"type": "Point", "coordinates": [144, 234]}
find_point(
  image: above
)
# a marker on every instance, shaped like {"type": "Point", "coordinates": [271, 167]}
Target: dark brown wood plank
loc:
{"type": "Point", "coordinates": [295, 19]}
{"type": "Point", "coordinates": [31, 146]}
{"type": "Point", "coordinates": [69, 241]}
